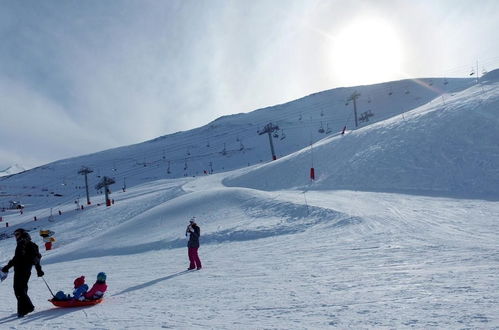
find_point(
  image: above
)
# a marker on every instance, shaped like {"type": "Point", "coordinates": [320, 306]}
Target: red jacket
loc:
{"type": "Point", "coordinates": [97, 291]}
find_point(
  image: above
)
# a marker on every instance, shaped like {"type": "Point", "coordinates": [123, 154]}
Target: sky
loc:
{"type": "Point", "coordinates": [77, 77]}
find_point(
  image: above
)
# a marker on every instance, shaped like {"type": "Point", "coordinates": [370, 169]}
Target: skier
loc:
{"type": "Point", "coordinates": [99, 288]}
{"type": "Point", "coordinates": [193, 245]}
{"type": "Point", "coordinates": [26, 255]}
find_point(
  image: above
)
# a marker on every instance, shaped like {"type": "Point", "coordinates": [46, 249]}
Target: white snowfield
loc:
{"type": "Point", "coordinates": [399, 230]}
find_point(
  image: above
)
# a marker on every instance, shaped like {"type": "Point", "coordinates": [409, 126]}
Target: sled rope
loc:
{"type": "Point", "coordinates": [48, 287]}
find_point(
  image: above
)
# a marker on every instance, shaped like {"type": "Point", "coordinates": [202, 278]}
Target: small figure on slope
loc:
{"type": "Point", "coordinates": [194, 232]}
{"type": "Point", "coordinates": [47, 236]}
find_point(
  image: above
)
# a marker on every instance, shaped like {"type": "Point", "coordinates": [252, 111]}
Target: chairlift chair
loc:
{"type": "Point", "coordinates": [283, 136]}
{"type": "Point", "coordinates": [321, 129]}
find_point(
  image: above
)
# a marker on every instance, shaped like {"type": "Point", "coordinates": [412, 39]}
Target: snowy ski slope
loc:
{"type": "Point", "coordinates": [399, 230]}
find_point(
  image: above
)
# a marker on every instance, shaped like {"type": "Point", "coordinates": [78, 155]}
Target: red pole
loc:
{"type": "Point", "coordinates": [312, 173]}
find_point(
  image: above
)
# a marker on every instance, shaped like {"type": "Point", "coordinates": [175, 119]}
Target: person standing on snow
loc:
{"type": "Point", "coordinates": [193, 245]}
{"type": "Point", "coordinates": [26, 255]}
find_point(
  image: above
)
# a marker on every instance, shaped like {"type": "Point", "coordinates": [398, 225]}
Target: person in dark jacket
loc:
{"type": "Point", "coordinates": [26, 255]}
{"type": "Point", "coordinates": [194, 232]}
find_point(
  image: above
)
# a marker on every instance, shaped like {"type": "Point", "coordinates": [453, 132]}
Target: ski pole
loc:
{"type": "Point", "coordinates": [48, 287]}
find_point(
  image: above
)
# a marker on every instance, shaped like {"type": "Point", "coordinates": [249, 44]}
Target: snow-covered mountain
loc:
{"type": "Point", "coordinates": [13, 169]}
{"type": "Point", "coordinates": [442, 149]}
{"type": "Point", "coordinates": [399, 229]}
{"type": "Point", "coordinates": [231, 142]}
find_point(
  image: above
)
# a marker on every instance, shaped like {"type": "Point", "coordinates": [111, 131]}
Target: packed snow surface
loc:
{"type": "Point", "coordinates": [398, 230]}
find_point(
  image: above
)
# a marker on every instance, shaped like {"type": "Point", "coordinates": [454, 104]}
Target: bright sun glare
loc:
{"type": "Point", "coordinates": [367, 51]}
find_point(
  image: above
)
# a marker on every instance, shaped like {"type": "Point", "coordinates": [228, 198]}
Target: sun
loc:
{"type": "Point", "coordinates": [366, 51]}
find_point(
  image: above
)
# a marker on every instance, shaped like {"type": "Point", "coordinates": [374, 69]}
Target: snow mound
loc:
{"type": "Point", "coordinates": [445, 148]}
{"type": "Point", "coordinates": [227, 215]}
{"type": "Point", "coordinates": [492, 76]}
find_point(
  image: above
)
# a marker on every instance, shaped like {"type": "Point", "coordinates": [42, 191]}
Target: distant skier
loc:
{"type": "Point", "coordinates": [193, 245]}
{"type": "Point", "coordinates": [26, 255]}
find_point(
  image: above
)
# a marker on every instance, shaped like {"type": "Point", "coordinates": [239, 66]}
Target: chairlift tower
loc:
{"type": "Point", "coordinates": [104, 183]}
{"type": "Point", "coordinates": [85, 171]}
{"type": "Point", "coordinates": [354, 98]}
{"type": "Point", "coordinates": [269, 128]}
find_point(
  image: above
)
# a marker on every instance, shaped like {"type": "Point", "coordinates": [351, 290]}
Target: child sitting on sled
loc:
{"type": "Point", "coordinates": [99, 288]}
{"type": "Point", "coordinates": [80, 288]}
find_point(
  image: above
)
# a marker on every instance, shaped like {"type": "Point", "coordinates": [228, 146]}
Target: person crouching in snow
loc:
{"type": "Point", "coordinates": [193, 245]}
{"type": "Point", "coordinates": [99, 288]}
